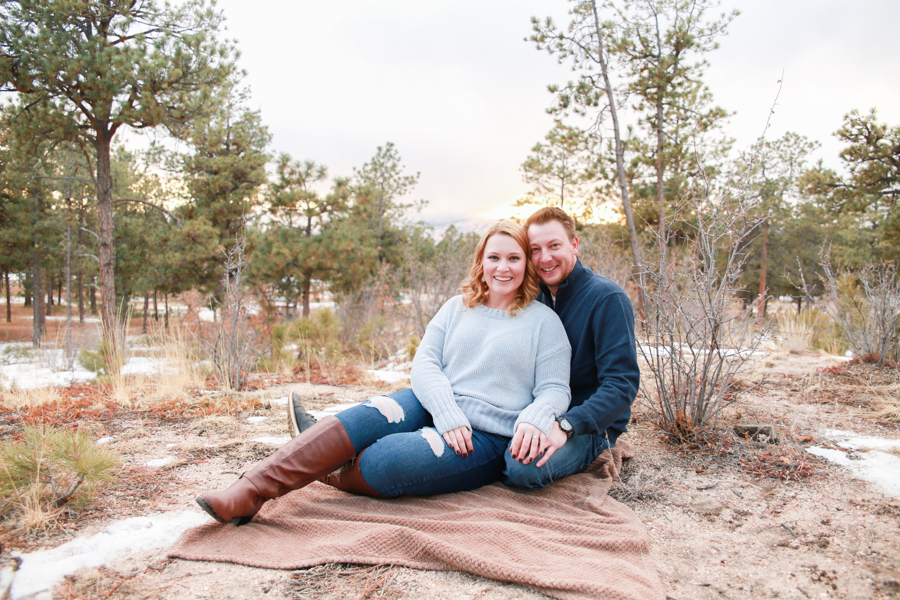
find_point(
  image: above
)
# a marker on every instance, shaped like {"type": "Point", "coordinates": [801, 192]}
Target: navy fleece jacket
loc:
{"type": "Point", "coordinates": [604, 379]}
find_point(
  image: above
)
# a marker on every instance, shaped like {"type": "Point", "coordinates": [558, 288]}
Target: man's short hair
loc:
{"type": "Point", "coordinates": [553, 213]}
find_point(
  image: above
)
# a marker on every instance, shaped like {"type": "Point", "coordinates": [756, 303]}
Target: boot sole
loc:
{"type": "Point", "coordinates": [209, 510]}
{"type": "Point", "coordinates": [237, 521]}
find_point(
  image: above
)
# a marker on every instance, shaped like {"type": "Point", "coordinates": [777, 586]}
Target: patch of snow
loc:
{"type": "Point", "coordinates": [866, 459]}
{"type": "Point", "coordinates": [388, 376]}
{"type": "Point", "coordinates": [27, 376]}
{"type": "Point", "coordinates": [40, 571]}
{"type": "Point", "coordinates": [106, 439]}
{"type": "Point", "coordinates": [256, 419]}
{"type": "Point", "coordinates": [315, 305]}
{"type": "Point", "coordinates": [329, 411]}
{"type": "Point", "coordinates": [74, 319]}
{"type": "Point", "coordinates": [281, 401]}
{"type": "Point", "coordinates": [160, 462]}
{"type": "Point", "coordinates": [273, 440]}
{"type": "Point", "coordinates": [848, 439]}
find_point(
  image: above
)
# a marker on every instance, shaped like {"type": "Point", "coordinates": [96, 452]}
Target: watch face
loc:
{"type": "Point", "coordinates": [565, 425]}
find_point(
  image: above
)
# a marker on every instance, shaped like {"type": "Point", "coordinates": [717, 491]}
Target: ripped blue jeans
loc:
{"type": "Point", "coordinates": [405, 454]}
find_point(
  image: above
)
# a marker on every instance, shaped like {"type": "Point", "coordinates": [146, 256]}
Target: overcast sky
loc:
{"type": "Point", "coordinates": [455, 87]}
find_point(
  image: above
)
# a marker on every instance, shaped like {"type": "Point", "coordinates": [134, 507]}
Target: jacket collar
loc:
{"type": "Point", "coordinates": [573, 282]}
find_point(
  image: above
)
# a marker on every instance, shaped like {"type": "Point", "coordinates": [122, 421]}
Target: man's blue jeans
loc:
{"type": "Point", "coordinates": [405, 454]}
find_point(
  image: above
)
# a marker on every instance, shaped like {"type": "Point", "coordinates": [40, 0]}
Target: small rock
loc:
{"type": "Point", "coordinates": [758, 432]}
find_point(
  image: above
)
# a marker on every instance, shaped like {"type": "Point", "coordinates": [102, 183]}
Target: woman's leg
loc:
{"type": "Point", "coordinates": [380, 416]}
{"type": "Point", "coordinates": [420, 463]}
{"type": "Point", "coordinates": [314, 453]}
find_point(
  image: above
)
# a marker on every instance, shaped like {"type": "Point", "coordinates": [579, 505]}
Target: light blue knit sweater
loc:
{"type": "Point", "coordinates": [484, 369]}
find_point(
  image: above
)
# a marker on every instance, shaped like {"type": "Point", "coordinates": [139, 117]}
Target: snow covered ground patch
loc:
{"type": "Point", "coordinates": [389, 376]}
{"type": "Point", "coordinates": [868, 458]}
{"type": "Point", "coordinates": [40, 571]}
{"type": "Point", "coordinates": [28, 376]}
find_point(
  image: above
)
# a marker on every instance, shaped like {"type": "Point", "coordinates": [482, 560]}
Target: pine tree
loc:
{"type": "Point", "coordinates": [96, 67]}
{"type": "Point", "coordinates": [225, 172]}
{"type": "Point", "coordinates": [871, 191]}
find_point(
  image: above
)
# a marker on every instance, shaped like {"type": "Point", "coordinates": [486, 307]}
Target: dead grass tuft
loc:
{"type": "Point", "coordinates": [129, 391]}
{"type": "Point", "coordinates": [887, 405]}
{"type": "Point", "coordinates": [204, 406]}
{"type": "Point", "coordinates": [348, 581]}
{"type": "Point", "coordinates": [179, 369]}
{"type": "Point", "coordinates": [861, 384]}
{"type": "Point", "coordinates": [18, 399]}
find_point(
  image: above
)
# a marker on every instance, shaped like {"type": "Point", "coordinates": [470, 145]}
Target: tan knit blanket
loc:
{"type": "Point", "coordinates": [568, 541]}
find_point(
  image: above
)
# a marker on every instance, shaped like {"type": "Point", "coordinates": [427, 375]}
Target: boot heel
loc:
{"type": "Point", "coordinates": [238, 521]}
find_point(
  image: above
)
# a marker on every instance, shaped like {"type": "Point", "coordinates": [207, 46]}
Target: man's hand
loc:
{"type": "Point", "coordinates": [460, 439]}
{"type": "Point", "coordinates": [528, 443]}
{"type": "Point", "coordinates": [556, 440]}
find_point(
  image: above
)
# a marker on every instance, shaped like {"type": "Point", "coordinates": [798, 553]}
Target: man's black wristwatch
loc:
{"type": "Point", "coordinates": [566, 427]}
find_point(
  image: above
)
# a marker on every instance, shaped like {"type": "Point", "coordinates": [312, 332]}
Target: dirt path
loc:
{"type": "Point", "coordinates": [719, 527]}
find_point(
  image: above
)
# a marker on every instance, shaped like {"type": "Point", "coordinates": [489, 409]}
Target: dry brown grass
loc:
{"type": "Point", "coordinates": [887, 404]}
{"type": "Point", "coordinates": [19, 398]}
{"type": "Point", "coordinates": [348, 581]}
{"type": "Point", "coordinates": [859, 384]}
{"type": "Point", "coordinates": [179, 368]}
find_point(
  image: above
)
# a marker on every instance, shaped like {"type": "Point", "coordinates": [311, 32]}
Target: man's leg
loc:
{"type": "Point", "coordinates": [575, 456]}
{"type": "Point", "coordinates": [422, 464]}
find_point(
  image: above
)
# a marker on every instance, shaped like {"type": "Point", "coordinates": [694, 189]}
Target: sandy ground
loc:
{"type": "Point", "coordinates": [719, 526]}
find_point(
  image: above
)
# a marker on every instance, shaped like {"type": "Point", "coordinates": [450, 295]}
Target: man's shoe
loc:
{"type": "Point", "coordinates": [298, 419]}
{"type": "Point", "coordinates": [314, 453]}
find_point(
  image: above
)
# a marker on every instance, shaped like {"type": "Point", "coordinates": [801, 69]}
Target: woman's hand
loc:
{"type": "Point", "coordinates": [528, 443]}
{"type": "Point", "coordinates": [460, 439]}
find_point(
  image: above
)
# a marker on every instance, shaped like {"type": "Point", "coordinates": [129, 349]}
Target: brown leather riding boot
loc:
{"type": "Point", "coordinates": [315, 452]}
{"type": "Point", "coordinates": [350, 479]}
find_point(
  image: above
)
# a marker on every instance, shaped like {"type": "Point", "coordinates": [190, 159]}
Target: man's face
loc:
{"type": "Point", "coordinates": [552, 253]}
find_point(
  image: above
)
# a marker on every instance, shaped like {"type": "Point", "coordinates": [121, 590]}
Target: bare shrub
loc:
{"type": "Point", "coordinates": [49, 468]}
{"type": "Point", "coordinates": [375, 321]}
{"type": "Point", "coordinates": [233, 346]}
{"type": "Point", "coordinates": [699, 336]}
{"type": "Point", "coordinates": [600, 253]}
{"type": "Point", "coordinates": [865, 305]}
{"type": "Point", "coordinates": [433, 272]}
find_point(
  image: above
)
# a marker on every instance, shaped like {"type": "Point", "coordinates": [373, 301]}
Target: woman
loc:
{"type": "Point", "coordinates": [492, 365]}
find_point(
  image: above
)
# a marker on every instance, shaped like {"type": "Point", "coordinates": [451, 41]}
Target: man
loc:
{"type": "Point", "coordinates": [599, 321]}
{"type": "Point", "coordinates": [604, 379]}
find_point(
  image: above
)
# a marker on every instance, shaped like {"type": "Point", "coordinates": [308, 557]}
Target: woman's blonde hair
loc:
{"type": "Point", "coordinates": [475, 289]}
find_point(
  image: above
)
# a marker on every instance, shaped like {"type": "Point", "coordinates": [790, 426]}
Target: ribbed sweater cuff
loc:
{"type": "Point", "coordinates": [446, 413]}
{"type": "Point", "coordinates": [541, 415]}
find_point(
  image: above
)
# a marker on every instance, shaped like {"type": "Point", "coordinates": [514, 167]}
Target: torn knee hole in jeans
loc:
{"type": "Point", "coordinates": [434, 440]}
{"type": "Point", "coordinates": [388, 408]}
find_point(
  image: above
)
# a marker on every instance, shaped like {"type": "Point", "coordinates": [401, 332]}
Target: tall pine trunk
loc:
{"type": "Point", "coordinates": [80, 274]}
{"type": "Point", "coordinates": [107, 237]}
{"type": "Point", "coordinates": [8, 300]}
{"type": "Point", "coordinates": [37, 292]}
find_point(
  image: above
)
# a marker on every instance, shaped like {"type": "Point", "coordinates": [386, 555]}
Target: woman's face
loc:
{"type": "Point", "coordinates": [504, 270]}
